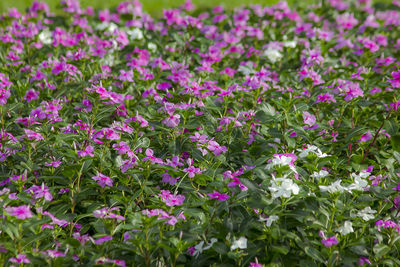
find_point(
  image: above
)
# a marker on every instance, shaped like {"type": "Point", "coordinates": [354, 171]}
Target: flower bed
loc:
{"type": "Point", "coordinates": [262, 136]}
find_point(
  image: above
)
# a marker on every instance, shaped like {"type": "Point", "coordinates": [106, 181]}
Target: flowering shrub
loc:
{"type": "Point", "coordinates": [261, 136]}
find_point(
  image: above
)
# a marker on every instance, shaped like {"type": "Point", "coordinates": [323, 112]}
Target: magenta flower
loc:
{"type": "Point", "coordinates": [103, 239]}
{"type": "Point", "coordinates": [139, 119]}
{"type": "Point", "coordinates": [103, 180]}
{"type": "Point", "coordinates": [30, 95]}
{"type": "Point", "coordinates": [168, 179]}
{"type": "Point", "coordinates": [87, 152]}
{"type": "Point", "coordinates": [4, 94]}
{"type": "Point", "coordinates": [363, 260]}
{"type": "Point", "coordinates": [55, 220]}
{"type": "Point", "coordinates": [395, 82]}
{"type": "Point", "coordinates": [170, 199]}
{"type": "Point", "coordinates": [121, 148]}
{"type": "Point", "coordinates": [20, 259]}
{"type": "Point", "coordinates": [54, 164]}
{"type": "Point", "coordinates": [330, 241]}
{"type": "Point", "coordinates": [52, 253]}
{"type": "Point", "coordinates": [352, 90]}
{"type": "Point", "coordinates": [191, 171]}
{"type": "Point", "coordinates": [107, 214]}
{"type": "Point", "coordinates": [346, 21]}
{"type": "Point", "coordinates": [255, 264]}
{"type": "Point", "coordinates": [218, 195]}
{"type": "Point", "coordinates": [38, 191]}
{"type": "Point", "coordinates": [31, 135]}
{"type": "Point", "coordinates": [172, 121]}
{"type": "Point", "coordinates": [150, 156]}
{"type": "Point", "coordinates": [21, 212]}
{"type": "Point", "coordinates": [310, 120]}
{"type": "Point", "coordinates": [365, 137]}
{"type": "Point", "coordinates": [328, 98]}
{"type": "Point", "coordinates": [216, 148]}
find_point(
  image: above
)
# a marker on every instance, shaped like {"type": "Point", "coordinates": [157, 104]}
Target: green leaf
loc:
{"type": "Point", "coordinates": [280, 249]}
{"type": "Point", "coordinates": [391, 127]}
{"type": "Point", "coordinates": [313, 253]}
{"type": "Point", "coordinates": [142, 142]}
{"type": "Point", "coordinates": [381, 250]}
{"type": "Point", "coordinates": [395, 141]}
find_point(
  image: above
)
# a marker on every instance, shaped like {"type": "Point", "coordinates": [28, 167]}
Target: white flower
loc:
{"type": "Point", "coordinates": [359, 184]}
{"type": "Point", "coordinates": [152, 47]}
{"type": "Point", "coordinates": [199, 247]}
{"type": "Point", "coordinates": [241, 243]}
{"type": "Point", "coordinates": [320, 174]}
{"type": "Point", "coordinates": [209, 245]}
{"type": "Point", "coordinates": [279, 160]}
{"type": "Point", "coordinates": [272, 54]}
{"type": "Point", "coordinates": [291, 44]}
{"type": "Point", "coordinates": [108, 59]}
{"type": "Point", "coordinates": [366, 213]}
{"type": "Point", "coordinates": [269, 220]}
{"type": "Point", "coordinates": [320, 154]}
{"type": "Point", "coordinates": [363, 174]}
{"type": "Point", "coordinates": [135, 34]}
{"type": "Point", "coordinates": [333, 188]}
{"type": "Point", "coordinates": [347, 228]}
{"type": "Point", "coordinates": [111, 27]}
{"type": "Point", "coordinates": [282, 187]}
{"type": "Point", "coordinates": [304, 152]}
{"type": "Point", "coordinates": [246, 69]}
{"type": "Point", "coordinates": [45, 37]}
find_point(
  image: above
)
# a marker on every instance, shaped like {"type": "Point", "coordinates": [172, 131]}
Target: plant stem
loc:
{"type": "Point", "coordinates": [376, 136]}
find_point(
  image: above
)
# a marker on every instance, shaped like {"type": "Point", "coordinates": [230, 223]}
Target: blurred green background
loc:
{"type": "Point", "coordinates": [153, 7]}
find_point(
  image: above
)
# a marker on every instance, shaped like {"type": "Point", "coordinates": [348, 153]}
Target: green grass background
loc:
{"type": "Point", "coordinates": [153, 7]}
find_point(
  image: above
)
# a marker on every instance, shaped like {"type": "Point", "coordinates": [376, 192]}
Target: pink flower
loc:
{"type": "Point", "coordinates": [216, 148]}
{"type": "Point", "coordinates": [328, 98]}
{"type": "Point", "coordinates": [153, 159]}
{"type": "Point", "coordinates": [103, 239]}
{"type": "Point", "coordinates": [170, 199]}
{"type": "Point", "coordinates": [40, 192]}
{"type": "Point", "coordinates": [395, 82]}
{"type": "Point", "coordinates": [217, 195]}
{"type": "Point", "coordinates": [4, 94]}
{"type": "Point", "coordinates": [191, 171]}
{"type": "Point", "coordinates": [107, 214]}
{"type": "Point", "coordinates": [52, 253]}
{"type": "Point", "coordinates": [365, 137]}
{"type": "Point", "coordinates": [31, 135]}
{"type": "Point", "coordinates": [346, 21]}
{"type": "Point", "coordinates": [55, 220]}
{"type": "Point", "coordinates": [103, 180]}
{"type": "Point", "coordinates": [54, 164]}
{"type": "Point", "coordinates": [352, 90]}
{"type": "Point", "coordinates": [330, 241]}
{"type": "Point", "coordinates": [172, 121]}
{"type": "Point", "coordinates": [168, 179]}
{"type": "Point", "coordinates": [20, 259]}
{"type": "Point", "coordinates": [363, 260]}
{"type": "Point", "coordinates": [30, 95]}
{"type": "Point", "coordinates": [87, 152]}
{"type": "Point", "coordinates": [121, 148]}
{"type": "Point", "coordinates": [21, 212]}
{"type": "Point", "coordinates": [309, 119]}
{"type": "Point", "coordinates": [371, 45]}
